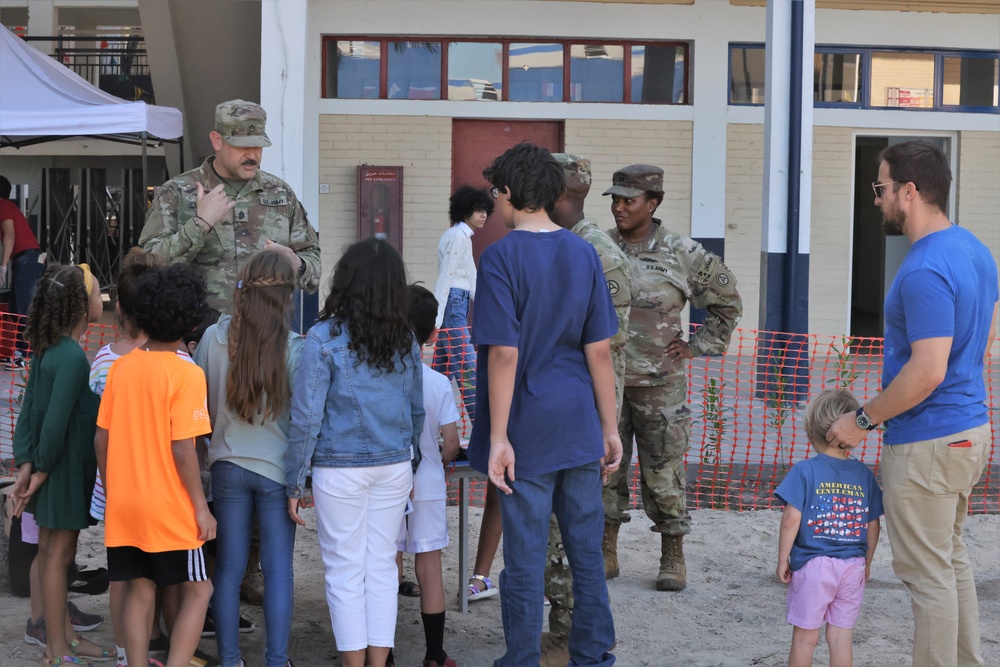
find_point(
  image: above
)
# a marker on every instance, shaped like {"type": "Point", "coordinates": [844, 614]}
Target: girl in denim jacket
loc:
{"type": "Point", "coordinates": [357, 413]}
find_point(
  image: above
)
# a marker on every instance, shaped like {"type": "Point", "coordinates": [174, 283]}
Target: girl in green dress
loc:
{"type": "Point", "coordinates": [54, 441]}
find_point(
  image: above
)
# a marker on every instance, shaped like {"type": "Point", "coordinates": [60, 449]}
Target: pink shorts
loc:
{"type": "Point", "coordinates": [826, 590]}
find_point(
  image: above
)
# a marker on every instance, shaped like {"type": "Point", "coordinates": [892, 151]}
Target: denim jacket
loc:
{"type": "Point", "coordinates": [347, 414]}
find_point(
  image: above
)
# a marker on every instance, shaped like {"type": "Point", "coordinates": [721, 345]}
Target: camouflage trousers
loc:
{"type": "Point", "coordinates": [659, 421]}
{"type": "Point", "coordinates": [558, 583]}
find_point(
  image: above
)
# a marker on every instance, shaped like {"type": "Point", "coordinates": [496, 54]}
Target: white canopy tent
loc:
{"type": "Point", "coordinates": [44, 100]}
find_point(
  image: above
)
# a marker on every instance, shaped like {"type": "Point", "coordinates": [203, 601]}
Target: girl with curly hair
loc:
{"type": "Point", "coordinates": [357, 413]}
{"type": "Point", "coordinates": [249, 360]}
{"type": "Point", "coordinates": [54, 445]}
{"type": "Point", "coordinates": [455, 289]}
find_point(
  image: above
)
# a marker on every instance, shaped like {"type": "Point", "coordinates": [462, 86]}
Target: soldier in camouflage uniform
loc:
{"type": "Point", "coordinates": [668, 271]}
{"type": "Point", "coordinates": [214, 217]}
{"type": "Point", "coordinates": [568, 213]}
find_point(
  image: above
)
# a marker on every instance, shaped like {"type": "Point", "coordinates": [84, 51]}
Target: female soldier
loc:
{"type": "Point", "coordinates": [668, 270]}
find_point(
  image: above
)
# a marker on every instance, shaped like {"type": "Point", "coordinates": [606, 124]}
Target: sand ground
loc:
{"type": "Point", "coordinates": [732, 612]}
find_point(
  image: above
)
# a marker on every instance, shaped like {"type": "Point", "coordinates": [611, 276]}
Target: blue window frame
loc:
{"type": "Point", "coordinates": [853, 77]}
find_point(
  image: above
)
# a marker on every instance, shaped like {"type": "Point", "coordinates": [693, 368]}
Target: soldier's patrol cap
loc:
{"type": "Point", "coordinates": [241, 123]}
{"type": "Point", "coordinates": [575, 168]}
{"type": "Point", "coordinates": [635, 179]}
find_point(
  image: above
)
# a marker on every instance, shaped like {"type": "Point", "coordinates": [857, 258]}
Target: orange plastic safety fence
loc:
{"type": "Point", "coordinates": [747, 417]}
{"type": "Point", "coordinates": [13, 378]}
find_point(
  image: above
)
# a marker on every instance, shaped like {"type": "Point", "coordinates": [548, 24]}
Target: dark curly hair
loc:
{"type": "Point", "coordinates": [134, 264]}
{"type": "Point", "coordinates": [368, 296]}
{"type": "Point", "coordinates": [466, 201]}
{"type": "Point", "coordinates": [423, 311]}
{"type": "Point", "coordinates": [169, 302]}
{"type": "Point", "coordinates": [534, 178]}
{"type": "Point", "coordinates": [59, 305]}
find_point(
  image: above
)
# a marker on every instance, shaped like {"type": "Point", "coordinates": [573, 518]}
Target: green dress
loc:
{"type": "Point", "coordinates": [55, 432]}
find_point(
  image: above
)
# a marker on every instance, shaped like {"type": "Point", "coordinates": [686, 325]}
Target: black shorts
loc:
{"type": "Point", "coordinates": [164, 568]}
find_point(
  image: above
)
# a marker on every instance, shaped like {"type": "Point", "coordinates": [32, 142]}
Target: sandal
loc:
{"type": "Point", "coordinates": [409, 589]}
{"type": "Point", "coordinates": [477, 593]}
{"type": "Point", "coordinates": [103, 657]}
{"type": "Point", "coordinates": [63, 660]}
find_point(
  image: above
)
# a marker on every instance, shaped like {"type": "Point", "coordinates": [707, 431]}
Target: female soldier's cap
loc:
{"type": "Point", "coordinates": [635, 179]}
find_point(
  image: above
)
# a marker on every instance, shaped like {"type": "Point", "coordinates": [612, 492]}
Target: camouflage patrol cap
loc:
{"type": "Point", "coordinates": [635, 179]}
{"type": "Point", "coordinates": [241, 123]}
{"type": "Point", "coordinates": [575, 168]}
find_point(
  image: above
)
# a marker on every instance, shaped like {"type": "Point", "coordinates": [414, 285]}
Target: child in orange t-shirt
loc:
{"type": "Point", "coordinates": [157, 518]}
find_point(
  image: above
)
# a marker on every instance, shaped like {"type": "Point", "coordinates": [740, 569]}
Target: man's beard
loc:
{"type": "Point", "coordinates": [893, 226]}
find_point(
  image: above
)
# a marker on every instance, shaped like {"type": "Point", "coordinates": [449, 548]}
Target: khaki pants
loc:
{"type": "Point", "coordinates": [926, 493]}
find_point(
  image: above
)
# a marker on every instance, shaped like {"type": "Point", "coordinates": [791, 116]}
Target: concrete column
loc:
{"type": "Point", "coordinates": [708, 150]}
{"type": "Point", "coordinates": [783, 360]}
{"type": "Point", "coordinates": [284, 47]}
{"type": "Point", "coordinates": [43, 18]}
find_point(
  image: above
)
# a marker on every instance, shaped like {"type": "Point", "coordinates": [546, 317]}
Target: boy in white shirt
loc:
{"type": "Point", "coordinates": [425, 530]}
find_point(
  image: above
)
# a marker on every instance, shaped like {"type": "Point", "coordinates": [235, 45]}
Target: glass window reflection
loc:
{"type": "Point", "coordinates": [475, 71]}
{"type": "Point", "coordinates": [658, 74]}
{"type": "Point", "coordinates": [352, 69]}
{"type": "Point", "coordinates": [837, 77]}
{"type": "Point", "coordinates": [414, 70]}
{"type": "Point", "coordinates": [970, 81]}
{"type": "Point", "coordinates": [903, 80]}
{"type": "Point", "coordinates": [535, 72]}
{"type": "Point", "coordinates": [596, 73]}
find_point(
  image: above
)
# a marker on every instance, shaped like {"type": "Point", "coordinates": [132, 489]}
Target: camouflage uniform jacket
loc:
{"type": "Point", "coordinates": [618, 274]}
{"type": "Point", "coordinates": [669, 270]}
{"type": "Point", "coordinates": [266, 209]}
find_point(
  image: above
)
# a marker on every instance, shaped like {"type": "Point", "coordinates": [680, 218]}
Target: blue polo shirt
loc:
{"type": "Point", "coordinates": [545, 294]}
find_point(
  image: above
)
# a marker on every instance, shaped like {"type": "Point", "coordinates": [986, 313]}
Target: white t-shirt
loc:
{"type": "Point", "coordinates": [439, 404]}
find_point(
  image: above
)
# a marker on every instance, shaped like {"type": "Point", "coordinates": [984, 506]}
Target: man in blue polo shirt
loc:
{"type": "Point", "coordinates": [545, 430]}
{"type": "Point", "coordinates": [940, 320]}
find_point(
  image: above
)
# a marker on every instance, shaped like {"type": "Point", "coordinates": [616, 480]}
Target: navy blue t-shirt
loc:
{"type": "Point", "coordinates": [837, 498]}
{"type": "Point", "coordinates": [946, 287]}
{"type": "Point", "coordinates": [545, 294]}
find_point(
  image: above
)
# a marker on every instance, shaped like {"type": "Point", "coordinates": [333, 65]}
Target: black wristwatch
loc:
{"type": "Point", "coordinates": [864, 421]}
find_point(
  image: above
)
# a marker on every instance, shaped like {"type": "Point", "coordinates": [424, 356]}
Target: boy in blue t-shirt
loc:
{"type": "Point", "coordinates": [829, 531]}
{"type": "Point", "coordinates": [545, 402]}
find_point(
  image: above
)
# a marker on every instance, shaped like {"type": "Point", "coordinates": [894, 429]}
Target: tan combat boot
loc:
{"type": "Point", "coordinates": [610, 548]}
{"type": "Point", "coordinates": [555, 651]}
{"type": "Point", "coordinates": [673, 572]}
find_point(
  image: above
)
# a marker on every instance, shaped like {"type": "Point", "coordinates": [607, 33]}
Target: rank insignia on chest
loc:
{"type": "Point", "coordinates": [241, 215]}
{"type": "Point", "coordinates": [273, 201]}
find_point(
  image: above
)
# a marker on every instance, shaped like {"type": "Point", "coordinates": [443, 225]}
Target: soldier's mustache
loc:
{"type": "Point", "coordinates": [249, 163]}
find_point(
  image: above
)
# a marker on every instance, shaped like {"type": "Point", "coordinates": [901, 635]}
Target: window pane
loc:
{"type": "Point", "coordinates": [352, 69]}
{"type": "Point", "coordinates": [970, 81]}
{"type": "Point", "coordinates": [596, 73]}
{"type": "Point", "coordinates": [536, 72]}
{"type": "Point", "coordinates": [658, 74]}
{"type": "Point", "coordinates": [904, 80]}
{"type": "Point", "coordinates": [746, 75]}
{"type": "Point", "coordinates": [414, 70]}
{"type": "Point", "coordinates": [837, 77]}
{"type": "Point", "coordinates": [475, 71]}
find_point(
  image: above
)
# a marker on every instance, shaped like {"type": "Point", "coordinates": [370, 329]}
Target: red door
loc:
{"type": "Point", "coordinates": [474, 146]}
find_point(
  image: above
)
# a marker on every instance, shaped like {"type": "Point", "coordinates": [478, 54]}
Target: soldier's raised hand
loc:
{"type": "Point", "coordinates": [212, 206]}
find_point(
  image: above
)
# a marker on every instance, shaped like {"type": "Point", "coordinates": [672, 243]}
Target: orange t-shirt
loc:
{"type": "Point", "coordinates": [150, 399]}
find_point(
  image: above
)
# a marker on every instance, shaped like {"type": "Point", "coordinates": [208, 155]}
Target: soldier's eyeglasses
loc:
{"type": "Point", "coordinates": [495, 193]}
{"type": "Point", "coordinates": [877, 187]}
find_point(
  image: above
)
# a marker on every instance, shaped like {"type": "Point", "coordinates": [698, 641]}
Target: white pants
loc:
{"type": "Point", "coordinates": [358, 513]}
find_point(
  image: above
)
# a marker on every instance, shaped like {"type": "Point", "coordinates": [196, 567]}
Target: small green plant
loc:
{"type": "Point", "coordinates": [845, 372]}
{"type": "Point", "coordinates": [778, 403]}
{"type": "Point", "coordinates": [716, 418]}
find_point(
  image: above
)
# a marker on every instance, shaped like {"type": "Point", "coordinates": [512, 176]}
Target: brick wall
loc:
{"type": "Point", "coordinates": [422, 146]}
{"type": "Point", "coordinates": [830, 232]}
{"type": "Point", "coordinates": [612, 144]}
{"type": "Point", "coordinates": [978, 174]}
{"type": "Point", "coordinates": [744, 186]}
